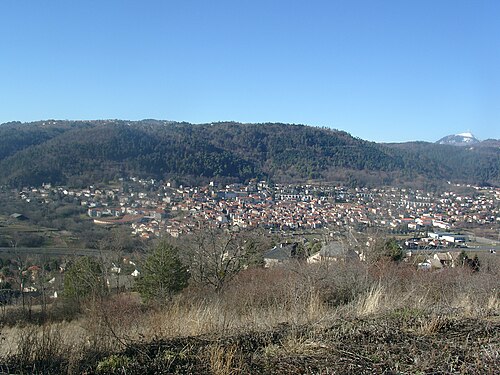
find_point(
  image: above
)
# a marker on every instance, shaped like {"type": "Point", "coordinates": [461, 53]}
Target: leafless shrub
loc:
{"type": "Point", "coordinates": [214, 257]}
{"type": "Point", "coordinates": [341, 282]}
{"type": "Point", "coordinates": [41, 347]}
{"type": "Point", "coordinates": [112, 323]}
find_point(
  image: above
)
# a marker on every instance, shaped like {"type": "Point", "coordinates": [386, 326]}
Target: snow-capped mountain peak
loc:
{"type": "Point", "coordinates": [461, 139]}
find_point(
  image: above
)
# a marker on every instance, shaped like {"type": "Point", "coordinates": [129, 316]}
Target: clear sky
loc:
{"type": "Point", "coordinates": [381, 70]}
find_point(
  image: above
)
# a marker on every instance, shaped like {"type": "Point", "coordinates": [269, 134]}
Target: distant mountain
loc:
{"type": "Point", "coordinates": [462, 139]}
{"type": "Point", "coordinates": [84, 152]}
{"type": "Point", "coordinates": [491, 143]}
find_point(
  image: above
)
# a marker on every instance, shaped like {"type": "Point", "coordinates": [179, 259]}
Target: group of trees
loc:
{"type": "Point", "coordinates": [163, 275]}
{"type": "Point", "coordinates": [213, 258]}
{"type": "Point", "coordinates": [210, 258]}
{"type": "Point", "coordinates": [102, 152]}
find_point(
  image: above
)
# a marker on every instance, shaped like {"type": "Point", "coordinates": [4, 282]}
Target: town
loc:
{"type": "Point", "coordinates": [151, 209]}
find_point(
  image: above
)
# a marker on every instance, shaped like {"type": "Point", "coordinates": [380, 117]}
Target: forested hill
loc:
{"type": "Point", "coordinates": [478, 164]}
{"type": "Point", "coordinates": [83, 152]}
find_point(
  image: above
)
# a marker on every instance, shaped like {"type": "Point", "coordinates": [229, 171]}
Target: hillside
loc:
{"type": "Point", "coordinates": [474, 164]}
{"type": "Point", "coordinates": [83, 152]}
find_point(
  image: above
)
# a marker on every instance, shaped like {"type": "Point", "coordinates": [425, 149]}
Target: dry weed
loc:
{"type": "Point", "coordinates": [431, 325]}
{"type": "Point", "coordinates": [296, 344]}
{"type": "Point", "coordinates": [493, 304]}
{"type": "Point", "coordinates": [225, 360]}
{"type": "Point", "coordinates": [371, 302]}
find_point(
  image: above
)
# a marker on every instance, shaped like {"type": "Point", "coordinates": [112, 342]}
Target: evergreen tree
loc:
{"type": "Point", "coordinates": [84, 279]}
{"type": "Point", "coordinates": [162, 274]}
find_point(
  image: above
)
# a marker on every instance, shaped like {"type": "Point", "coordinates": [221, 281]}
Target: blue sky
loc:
{"type": "Point", "coordinates": [380, 70]}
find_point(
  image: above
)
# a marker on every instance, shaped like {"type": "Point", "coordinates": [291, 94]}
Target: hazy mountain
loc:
{"type": "Point", "coordinates": [490, 143]}
{"type": "Point", "coordinates": [84, 152]}
{"type": "Point", "coordinates": [462, 139]}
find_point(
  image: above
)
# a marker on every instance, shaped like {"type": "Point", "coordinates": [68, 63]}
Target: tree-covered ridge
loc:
{"type": "Point", "coordinates": [477, 164]}
{"type": "Point", "coordinates": [16, 136]}
{"type": "Point", "coordinates": [82, 152]}
{"type": "Point", "coordinates": [107, 151]}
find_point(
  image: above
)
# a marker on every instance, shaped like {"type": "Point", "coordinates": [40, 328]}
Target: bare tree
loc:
{"type": "Point", "coordinates": [214, 256]}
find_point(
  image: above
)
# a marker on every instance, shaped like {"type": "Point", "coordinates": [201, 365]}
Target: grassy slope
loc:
{"type": "Point", "coordinates": [350, 319]}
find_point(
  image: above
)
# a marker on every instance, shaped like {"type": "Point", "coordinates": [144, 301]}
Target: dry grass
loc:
{"type": "Point", "coordinates": [432, 325]}
{"type": "Point", "coordinates": [225, 360]}
{"type": "Point", "coordinates": [296, 343]}
{"type": "Point", "coordinates": [370, 302]}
